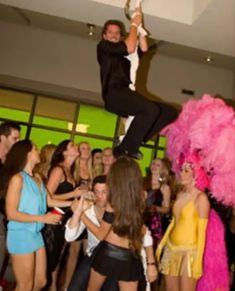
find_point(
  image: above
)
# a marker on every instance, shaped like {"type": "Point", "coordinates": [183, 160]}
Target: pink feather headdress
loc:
{"type": "Point", "coordinates": [205, 134]}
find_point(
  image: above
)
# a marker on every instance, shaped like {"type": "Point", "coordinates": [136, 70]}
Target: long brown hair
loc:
{"type": "Point", "coordinates": [127, 199]}
{"type": "Point", "coordinates": [15, 162]}
{"type": "Point", "coordinates": [46, 154]}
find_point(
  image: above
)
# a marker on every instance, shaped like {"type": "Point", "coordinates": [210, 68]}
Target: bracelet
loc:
{"type": "Point", "coordinates": [134, 24]}
{"type": "Point", "coordinates": [151, 264]}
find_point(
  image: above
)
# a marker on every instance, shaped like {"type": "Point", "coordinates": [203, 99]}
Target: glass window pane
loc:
{"type": "Point", "coordinates": [23, 130]}
{"type": "Point", "coordinates": [52, 122]}
{"type": "Point", "coordinates": [13, 114]}
{"type": "Point", "coordinates": [55, 113]}
{"type": "Point", "coordinates": [41, 136]}
{"type": "Point", "coordinates": [15, 105]}
{"type": "Point", "coordinates": [94, 142]}
{"type": "Point", "coordinates": [160, 154]}
{"type": "Point", "coordinates": [96, 120]}
{"type": "Point", "coordinates": [162, 141]}
{"type": "Point", "coordinates": [151, 142]}
{"type": "Point", "coordinates": [147, 152]}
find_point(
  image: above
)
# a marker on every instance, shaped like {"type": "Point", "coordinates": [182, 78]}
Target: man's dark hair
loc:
{"type": "Point", "coordinates": [99, 179]}
{"type": "Point", "coordinates": [114, 22]}
{"type": "Point", "coordinates": [94, 151]}
{"type": "Point", "coordinates": [6, 127]}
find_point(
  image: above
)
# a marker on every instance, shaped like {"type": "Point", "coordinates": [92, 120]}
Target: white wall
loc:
{"type": "Point", "coordinates": [168, 76]}
{"type": "Point", "coordinates": [62, 61]}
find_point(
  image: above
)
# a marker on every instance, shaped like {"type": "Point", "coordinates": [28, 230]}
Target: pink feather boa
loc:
{"type": "Point", "coordinates": [215, 264]}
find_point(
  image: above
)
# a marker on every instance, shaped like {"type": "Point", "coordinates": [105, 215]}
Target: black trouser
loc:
{"type": "Point", "coordinates": [150, 117]}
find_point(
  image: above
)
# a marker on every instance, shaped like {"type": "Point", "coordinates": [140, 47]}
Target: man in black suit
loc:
{"type": "Point", "coordinates": [119, 97]}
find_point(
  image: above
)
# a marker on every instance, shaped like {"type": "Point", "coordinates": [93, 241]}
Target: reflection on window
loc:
{"type": "Point", "coordinates": [41, 136]}
{"type": "Point", "coordinates": [16, 100]}
{"type": "Point", "coordinates": [54, 113]}
{"type": "Point", "coordinates": [95, 120]}
{"type": "Point", "coordinates": [15, 105]}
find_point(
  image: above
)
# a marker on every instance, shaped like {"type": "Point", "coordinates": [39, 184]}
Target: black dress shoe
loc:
{"type": "Point", "coordinates": [119, 152]}
{"type": "Point", "coordinates": [116, 142]}
{"type": "Point", "coordinates": [137, 156]}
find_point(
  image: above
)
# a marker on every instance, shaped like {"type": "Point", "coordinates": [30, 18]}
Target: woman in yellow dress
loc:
{"type": "Point", "coordinates": [183, 244]}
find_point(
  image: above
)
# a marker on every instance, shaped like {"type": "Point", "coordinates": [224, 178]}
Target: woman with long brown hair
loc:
{"type": "Point", "coordinates": [62, 186]}
{"type": "Point", "coordinates": [26, 207]}
{"type": "Point", "coordinates": [121, 231]}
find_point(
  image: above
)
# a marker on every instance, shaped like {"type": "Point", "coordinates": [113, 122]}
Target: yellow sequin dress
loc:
{"type": "Point", "coordinates": [180, 243]}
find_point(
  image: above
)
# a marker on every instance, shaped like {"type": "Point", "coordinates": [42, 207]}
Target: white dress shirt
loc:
{"type": "Point", "coordinates": [73, 233]}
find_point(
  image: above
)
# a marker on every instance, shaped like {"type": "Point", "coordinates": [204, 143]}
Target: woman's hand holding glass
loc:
{"type": "Point", "coordinates": [81, 205]}
{"type": "Point", "coordinates": [51, 218]}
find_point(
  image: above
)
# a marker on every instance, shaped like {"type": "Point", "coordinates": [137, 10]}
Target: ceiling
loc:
{"type": "Point", "coordinates": [186, 29]}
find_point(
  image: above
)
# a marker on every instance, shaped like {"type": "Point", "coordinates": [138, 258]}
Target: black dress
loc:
{"type": "Point", "coordinates": [54, 234]}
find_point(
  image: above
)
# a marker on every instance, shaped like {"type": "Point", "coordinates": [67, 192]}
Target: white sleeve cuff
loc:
{"type": "Point", "coordinates": [141, 31]}
{"type": "Point", "coordinates": [71, 233]}
{"type": "Point", "coordinates": [147, 240]}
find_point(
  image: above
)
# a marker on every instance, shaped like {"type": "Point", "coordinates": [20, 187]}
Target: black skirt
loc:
{"type": "Point", "coordinates": [115, 262]}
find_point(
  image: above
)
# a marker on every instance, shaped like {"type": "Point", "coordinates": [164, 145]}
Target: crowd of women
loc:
{"type": "Point", "coordinates": [111, 221]}
{"type": "Point", "coordinates": [34, 182]}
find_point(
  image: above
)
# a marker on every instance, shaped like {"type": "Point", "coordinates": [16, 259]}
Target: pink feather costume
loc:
{"type": "Point", "coordinates": [204, 135]}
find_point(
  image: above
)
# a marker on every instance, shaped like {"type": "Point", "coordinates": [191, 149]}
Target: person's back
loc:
{"type": "Point", "coordinates": [121, 230]}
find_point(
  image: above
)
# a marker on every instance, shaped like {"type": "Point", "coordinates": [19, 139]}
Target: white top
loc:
{"type": "Point", "coordinates": [72, 233]}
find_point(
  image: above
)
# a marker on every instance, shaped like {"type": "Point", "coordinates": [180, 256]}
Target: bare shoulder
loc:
{"type": "Point", "coordinates": [165, 188]}
{"type": "Point", "coordinates": [17, 179]}
{"type": "Point", "coordinates": [57, 172]}
{"type": "Point", "coordinates": [203, 205]}
{"type": "Point", "coordinates": [15, 184]}
{"type": "Point", "coordinates": [202, 199]}
{"type": "Point", "coordinates": [109, 208]}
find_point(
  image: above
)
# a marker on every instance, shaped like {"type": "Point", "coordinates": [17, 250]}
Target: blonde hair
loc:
{"type": "Point", "coordinates": [43, 167]}
{"type": "Point", "coordinates": [165, 170]}
{"type": "Point", "coordinates": [77, 169]}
